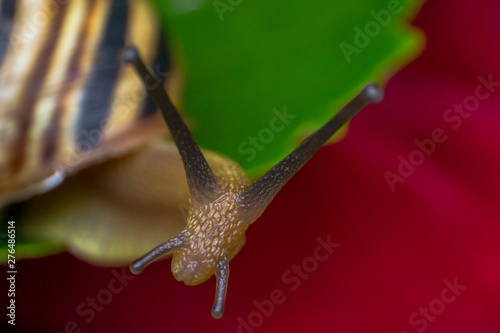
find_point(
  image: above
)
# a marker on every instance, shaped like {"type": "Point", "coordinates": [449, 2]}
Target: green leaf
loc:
{"type": "Point", "coordinates": [245, 61]}
{"type": "Point", "coordinates": [24, 248]}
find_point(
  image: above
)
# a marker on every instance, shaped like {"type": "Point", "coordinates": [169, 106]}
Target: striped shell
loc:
{"type": "Point", "coordinates": [66, 99]}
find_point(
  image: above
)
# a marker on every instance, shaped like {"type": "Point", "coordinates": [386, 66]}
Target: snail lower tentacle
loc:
{"type": "Point", "coordinates": [161, 250]}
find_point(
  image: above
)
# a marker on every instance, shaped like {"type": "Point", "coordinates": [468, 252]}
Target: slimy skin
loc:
{"type": "Point", "coordinates": [223, 202]}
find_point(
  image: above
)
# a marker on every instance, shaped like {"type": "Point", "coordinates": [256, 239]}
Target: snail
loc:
{"type": "Point", "coordinates": [76, 126]}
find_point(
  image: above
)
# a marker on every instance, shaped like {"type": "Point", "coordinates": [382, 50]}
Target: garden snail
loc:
{"type": "Point", "coordinates": [223, 202]}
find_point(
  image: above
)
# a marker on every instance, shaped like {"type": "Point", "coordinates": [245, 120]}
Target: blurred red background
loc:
{"type": "Point", "coordinates": [396, 248]}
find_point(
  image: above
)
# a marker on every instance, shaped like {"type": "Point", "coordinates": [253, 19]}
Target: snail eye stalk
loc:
{"type": "Point", "coordinates": [201, 180]}
{"type": "Point", "coordinates": [257, 196]}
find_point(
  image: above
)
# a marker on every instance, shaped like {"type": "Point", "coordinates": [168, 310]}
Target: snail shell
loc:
{"type": "Point", "coordinates": [67, 101]}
